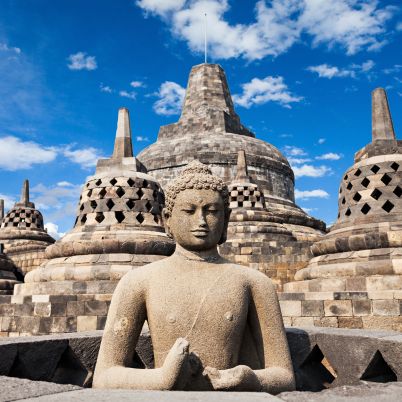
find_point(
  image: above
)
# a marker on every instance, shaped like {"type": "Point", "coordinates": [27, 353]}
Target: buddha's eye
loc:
{"type": "Point", "coordinates": [189, 211]}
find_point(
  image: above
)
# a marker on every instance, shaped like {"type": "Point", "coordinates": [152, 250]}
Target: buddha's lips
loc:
{"type": "Point", "coordinates": [200, 232]}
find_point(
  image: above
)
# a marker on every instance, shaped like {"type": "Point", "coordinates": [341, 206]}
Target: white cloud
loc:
{"type": "Point", "coordinates": [65, 184]}
{"type": "Point", "coordinates": [137, 84]}
{"type": "Point", "coordinates": [105, 88]}
{"type": "Point", "coordinates": [311, 171]}
{"type": "Point", "coordinates": [399, 26]}
{"type": "Point", "coordinates": [268, 89]}
{"type": "Point", "coordinates": [55, 197]}
{"type": "Point", "coordinates": [53, 230]}
{"type": "Point", "coordinates": [297, 161]}
{"type": "Point", "coordinates": [161, 7]}
{"type": "Point", "coordinates": [391, 70]}
{"type": "Point", "coordinates": [354, 25]}
{"type": "Point", "coordinates": [126, 94]}
{"type": "Point", "coordinates": [305, 194]}
{"type": "Point", "coordinates": [171, 97]}
{"type": "Point", "coordinates": [5, 48]}
{"type": "Point", "coordinates": [330, 156]}
{"type": "Point", "coordinates": [140, 138]}
{"type": "Point", "coordinates": [80, 61]}
{"type": "Point", "coordinates": [294, 151]}
{"type": "Point", "coordinates": [16, 154]}
{"type": "Point", "coordinates": [327, 71]}
{"type": "Point", "coordinates": [9, 201]}
{"type": "Point", "coordinates": [86, 157]}
{"type": "Point", "coordinates": [321, 140]}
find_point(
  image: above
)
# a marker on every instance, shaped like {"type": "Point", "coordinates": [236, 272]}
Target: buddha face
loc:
{"type": "Point", "coordinates": [198, 219]}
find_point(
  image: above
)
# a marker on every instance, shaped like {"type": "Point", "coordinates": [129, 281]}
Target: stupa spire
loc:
{"type": "Point", "coordinates": [382, 127]}
{"type": "Point", "coordinates": [25, 193]}
{"type": "Point", "coordinates": [1, 210]}
{"type": "Point", "coordinates": [123, 147]}
{"type": "Point", "coordinates": [242, 171]}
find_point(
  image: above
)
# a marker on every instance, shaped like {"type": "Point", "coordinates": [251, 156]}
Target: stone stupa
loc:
{"type": "Point", "coordinates": [355, 277]}
{"type": "Point", "coordinates": [256, 236]}
{"type": "Point", "coordinates": [23, 234]}
{"type": "Point", "coordinates": [210, 130]}
{"type": "Point", "coordinates": [7, 275]}
{"type": "Point", "coordinates": [118, 226]}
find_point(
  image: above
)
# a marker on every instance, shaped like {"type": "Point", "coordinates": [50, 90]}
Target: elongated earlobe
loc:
{"type": "Point", "coordinates": [165, 219]}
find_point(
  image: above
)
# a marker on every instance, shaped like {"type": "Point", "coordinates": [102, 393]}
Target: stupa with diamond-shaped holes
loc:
{"type": "Point", "coordinates": [118, 226]}
{"type": "Point", "coordinates": [355, 277]}
{"type": "Point", "coordinates": [23, 235]}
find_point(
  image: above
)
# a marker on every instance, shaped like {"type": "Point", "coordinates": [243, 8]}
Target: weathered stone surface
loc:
{"type": "Point", "coordinates": [210, 130]}
{"type": "Point", "coordinates": [360, 258]}
{"type": "Point", "coordinates": [118, 226]}
{"type": "Point", "coordinates": [23, 234]}
{"type": "Point", "coordinates": [195, 326]}
{"type": "Point", "coordinates": [15, 389]}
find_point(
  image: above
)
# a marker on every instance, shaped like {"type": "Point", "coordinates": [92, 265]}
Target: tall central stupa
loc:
{"type": "Point", "coordinates": [210, 130]}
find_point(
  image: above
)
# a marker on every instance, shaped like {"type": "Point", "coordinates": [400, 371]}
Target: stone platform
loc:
{"type": "Point", "coordinates": [50, 314]}
{"type": "Point", "coordinates": [376, 309]}
{"type": "Point", "coordinates": [37, 391]}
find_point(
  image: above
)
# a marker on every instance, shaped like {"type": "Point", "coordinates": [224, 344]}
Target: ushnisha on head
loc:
{"type": "Point", "coordinates": [197, 210]}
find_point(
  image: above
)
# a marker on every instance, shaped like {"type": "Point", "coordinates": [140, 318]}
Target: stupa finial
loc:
{"type": "Point", "coordinates": [25, 193]}
{"type": "Point", "coordinates": [242, 171]}
{"type": "Point", "coordinates": [123, 147]}
{"type": "Point", "coordinates": [1, 210]}
{"type": "Point", "coordinates": [382, 127]}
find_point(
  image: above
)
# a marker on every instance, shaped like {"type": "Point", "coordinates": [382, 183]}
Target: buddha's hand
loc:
{"type": "Point", "coordinates": [175, 364]}
{"type": "Point", "coordinates": [239, 378]}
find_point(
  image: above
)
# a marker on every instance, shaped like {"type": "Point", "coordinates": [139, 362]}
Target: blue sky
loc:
{"type": "Point", "coordinates": [301, 72]}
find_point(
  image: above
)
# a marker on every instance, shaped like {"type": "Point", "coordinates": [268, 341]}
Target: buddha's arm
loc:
{"type": "Point", "coordinates": [269, 335]}
{"type": "Point", "coordinates": [125, 319]}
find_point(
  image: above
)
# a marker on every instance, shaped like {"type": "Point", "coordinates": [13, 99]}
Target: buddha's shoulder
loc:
{"type": "Point", "coordinates": [147, 271]}
{"type": "Point", "coordinates": [247, 273]}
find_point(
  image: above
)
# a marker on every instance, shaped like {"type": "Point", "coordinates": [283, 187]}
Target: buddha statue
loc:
{"type": "Point", "coordinates": [214, 325]}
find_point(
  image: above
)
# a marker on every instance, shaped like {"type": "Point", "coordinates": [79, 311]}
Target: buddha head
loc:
{"type": "Point", "coordinates": [197, 208]}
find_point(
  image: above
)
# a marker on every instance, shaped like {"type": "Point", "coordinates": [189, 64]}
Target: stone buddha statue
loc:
{"type": "Point", "coordinates": [214, 325]}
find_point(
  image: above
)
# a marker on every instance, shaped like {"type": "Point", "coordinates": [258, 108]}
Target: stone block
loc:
{"type": "Point", "coordinates": [95, 307]}
{"type": "Point", "coordinates": [86, 323]}
{"type": "Point", "coordinates": [290, 308]}
{"type": "Point", "coordinates": [338, 308]}
{"type": "Point", "coordinates": [319, 296]}
{"type": "Point", "coordinates": [381, 294]}
{"type": "Point", "coordinates": [331, 322]}
{"type": "Point", "coordinates": [40, 298]}
{"type": "Point", "coordinates": [303, 321]}
{"type": "Point", "coordinates": [75, 308]}
{"type": "Point", "coordinates": [350, 322]}
{"type": "Point", "coordinates": [362, 307]}
{"type": "Point", "coordinates": [43, 309]}
{"type": "Point", "coordinates": [386, 307]}
{"type": "Point", "coordinates": [58, 309]}
{"type": "Point", "coordinates": [312, 308]}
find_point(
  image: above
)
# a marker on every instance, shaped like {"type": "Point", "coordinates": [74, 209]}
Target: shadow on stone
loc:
{"type": "Point", "coordinates": [316, 372]}
{"type": "Point", "coordinates": [378, 370]}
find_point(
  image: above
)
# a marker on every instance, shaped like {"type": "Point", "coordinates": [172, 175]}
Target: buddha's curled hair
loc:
{"type": "Point", "coordinates": [197, 176]}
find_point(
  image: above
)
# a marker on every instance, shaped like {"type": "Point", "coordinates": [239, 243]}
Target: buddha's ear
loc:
{"type": "Point", "coordinates": [166, 222]}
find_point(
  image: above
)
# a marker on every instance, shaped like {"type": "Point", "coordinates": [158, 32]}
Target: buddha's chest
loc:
{"type": "Point", "coordinates": [200, 309]}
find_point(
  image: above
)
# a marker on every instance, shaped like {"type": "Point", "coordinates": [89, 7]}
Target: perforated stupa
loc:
{"type": "Point", "coordinates": [118, 226]}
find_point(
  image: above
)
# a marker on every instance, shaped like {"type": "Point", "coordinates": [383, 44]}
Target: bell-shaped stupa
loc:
{"type": "Point", "coordinates": [210, 130]}
{"type": "Point", "coordinates": [256, 236]}
{"type": "Point", "coordinates": [7, 275]}
{"type": "Point", "coordinates": [118, 226]}
{"type": "Point", "coordinates": [23, 234]}
{"type": "Point", "coordinates": [359, 262]}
